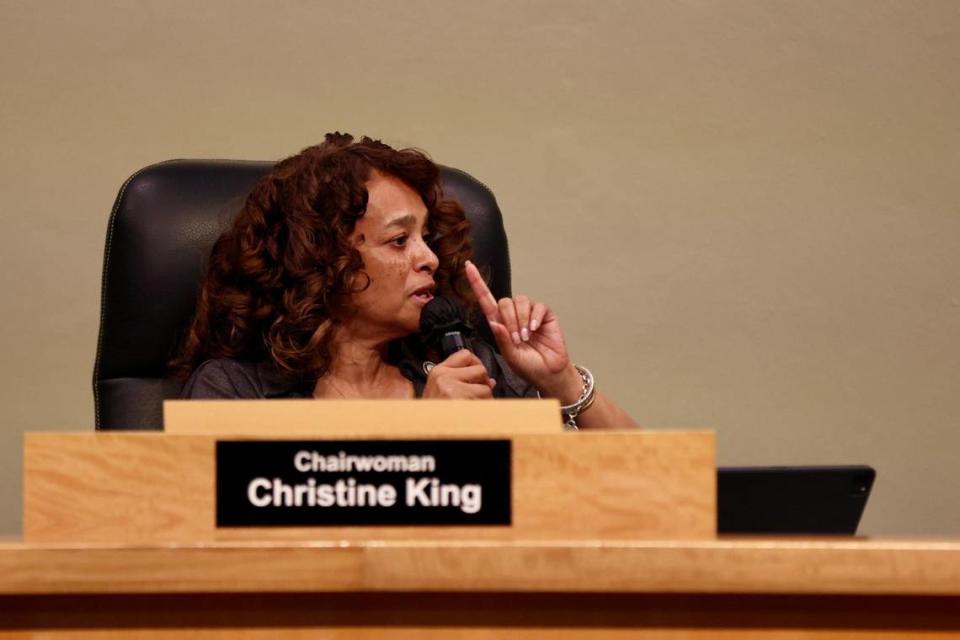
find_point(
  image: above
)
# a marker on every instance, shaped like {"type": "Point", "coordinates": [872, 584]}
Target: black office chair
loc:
{"type": "Point", "coordinates": [162, 228]}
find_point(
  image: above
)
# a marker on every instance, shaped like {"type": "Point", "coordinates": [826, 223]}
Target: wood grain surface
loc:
{"type": "Point", "coordinates": [478, 617]}
{"type": "Point", "coordinates": [362, 418]}
{"type": "Point", "coordinates": [780, 589]}
{"type": "Point", "coordinates": [741, 565]}
{"type": "Point", "coordinates": [154, 487]}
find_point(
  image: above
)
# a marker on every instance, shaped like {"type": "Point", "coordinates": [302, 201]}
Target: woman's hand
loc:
{"type": "Point", "coordinates": [529, 336]}
{"type": "Point", "coordinates": [461, 376]}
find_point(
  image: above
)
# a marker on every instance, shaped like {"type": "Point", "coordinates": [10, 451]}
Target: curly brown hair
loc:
{"type": "Point", "coordinates": [279, 280]}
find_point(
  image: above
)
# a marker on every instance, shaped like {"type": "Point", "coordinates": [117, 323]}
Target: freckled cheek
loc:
{"type": "Point", "coordinates": [390, 275]}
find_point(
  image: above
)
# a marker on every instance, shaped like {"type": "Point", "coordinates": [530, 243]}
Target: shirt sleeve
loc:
{"type": "Point", "coordinates": [222, 378]}
{"type": "Point", "coordinates": [509, 384]}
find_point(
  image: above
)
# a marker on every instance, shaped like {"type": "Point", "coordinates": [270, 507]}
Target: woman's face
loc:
{"type": "Point", "coordinates": [391, 238]}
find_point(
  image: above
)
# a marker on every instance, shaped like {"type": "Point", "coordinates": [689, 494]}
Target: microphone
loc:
{"type": "Point", "coordinates": [443, 325]}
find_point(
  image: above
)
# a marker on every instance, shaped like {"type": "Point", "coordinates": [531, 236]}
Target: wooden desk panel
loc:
{"type": "Point", "coordinates": [728, 588]}
{"type": "Point", "coordinates": [153, 488]}
{"type": "Point", "coordinates": [737, 565]}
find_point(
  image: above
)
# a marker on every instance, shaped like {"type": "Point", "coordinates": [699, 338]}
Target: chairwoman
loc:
{"type": "Point", "coordinates": [317, 290]}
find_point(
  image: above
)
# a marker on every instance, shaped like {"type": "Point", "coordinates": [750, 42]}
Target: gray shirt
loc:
{"type": "Point", "coordinates": [243, 379]}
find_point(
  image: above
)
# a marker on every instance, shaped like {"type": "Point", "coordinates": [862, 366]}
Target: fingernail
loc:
{"type": "Point", "coordinates": [525, 334]}
{"type": "Point", "coordinates": [492, 383]}
{"type": "Point", "coordinates": [516, 338]}
{"type": "Point", "coordinates": [534, 325]}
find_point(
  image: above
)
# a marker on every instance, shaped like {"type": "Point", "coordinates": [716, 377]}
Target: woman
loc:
{"type": "Point", "coordinates": [316, 291]}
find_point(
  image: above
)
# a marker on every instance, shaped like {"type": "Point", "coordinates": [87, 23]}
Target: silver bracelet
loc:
{"type": "Point", "coordinates": [587, 395]}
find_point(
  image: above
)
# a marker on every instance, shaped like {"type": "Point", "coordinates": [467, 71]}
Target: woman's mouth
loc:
{"type": "Point", "coordinates": [424, 294]}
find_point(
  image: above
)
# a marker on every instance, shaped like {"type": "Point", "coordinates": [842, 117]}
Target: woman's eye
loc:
{"type": "Point", "coordinates": [399, 241]}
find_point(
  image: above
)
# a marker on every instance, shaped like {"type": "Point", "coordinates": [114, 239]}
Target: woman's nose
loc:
{"type": "Point", "coordinates": [426, 259]}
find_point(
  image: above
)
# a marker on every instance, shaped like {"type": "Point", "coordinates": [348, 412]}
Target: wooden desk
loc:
{"type": "Point", "coordinates": [727, 588]}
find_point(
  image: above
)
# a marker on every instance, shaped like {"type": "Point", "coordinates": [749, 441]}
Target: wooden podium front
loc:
{"type": "Point", "coordinates": [481, 589]}
{"type": "Point", "coordinates": [127, 487]}
{"type": "Point", "coordinates": [609, 535]}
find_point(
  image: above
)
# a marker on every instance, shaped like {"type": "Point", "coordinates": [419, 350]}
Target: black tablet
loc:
{"type": "Point", "coordinates": [792, 500]}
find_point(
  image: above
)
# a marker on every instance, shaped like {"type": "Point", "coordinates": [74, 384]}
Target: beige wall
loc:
{"type": "Point", "coordinates": [745, 212]}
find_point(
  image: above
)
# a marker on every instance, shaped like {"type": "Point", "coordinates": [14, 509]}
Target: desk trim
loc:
{"type": "Point", "coordinates": [725, 566]}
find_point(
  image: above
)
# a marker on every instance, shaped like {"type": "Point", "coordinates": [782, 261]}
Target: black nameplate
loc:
{"type": "Point", "coordinates": [363, 482]}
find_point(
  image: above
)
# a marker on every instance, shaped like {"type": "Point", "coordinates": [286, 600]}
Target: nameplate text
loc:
{"type": "Point", "coordinates": [363, 482]}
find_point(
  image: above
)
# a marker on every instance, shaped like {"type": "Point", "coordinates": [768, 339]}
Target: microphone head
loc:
{"type": "Point", "coordinates": [439, 316]}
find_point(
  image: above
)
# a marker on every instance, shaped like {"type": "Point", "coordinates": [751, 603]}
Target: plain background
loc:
{"type": "Point", "coordinates": [744, 212]}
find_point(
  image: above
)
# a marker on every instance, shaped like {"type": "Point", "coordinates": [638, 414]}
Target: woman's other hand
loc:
{"type": "Point", "coordinates": [461, 376]}
{"type": "Point", "coordinates": [529, 337]}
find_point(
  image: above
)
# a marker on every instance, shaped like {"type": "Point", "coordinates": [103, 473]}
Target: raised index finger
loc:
{"type": "Point", "coordinates": [488, 304]}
